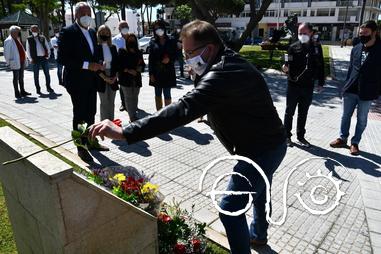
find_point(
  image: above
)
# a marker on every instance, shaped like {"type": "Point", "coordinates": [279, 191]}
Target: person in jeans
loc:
{"type": "Point", "coordinates": [363, 84]}
{"type": "Point", "coordinates": [236, 98]}
{"type": "Point", "coordinates": [161, 64]}
{"type": "Point", "coordinates": [15, 57]}
{"type": "Point", "coordinates": [130, 77]}
{"type": "Point", "coordinates": [38, 50]}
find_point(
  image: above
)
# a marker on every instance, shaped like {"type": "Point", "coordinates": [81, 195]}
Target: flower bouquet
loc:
{"type": "Point", "coordinates": [130, 185]}
{"type": "Point", "coordinates": [179, 233]}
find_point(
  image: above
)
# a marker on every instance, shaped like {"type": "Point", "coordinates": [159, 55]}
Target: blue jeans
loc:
{"type": "Point", "coordinates": [236, 227]}
{"type": "Point", "coordinates": [350, 102]}
{"type": "Point", "coordinates": [165, 90]}
{"type": "Point", "coordinates": [43, 62]}
{"type": "Point", "coordinates": [59, 73]}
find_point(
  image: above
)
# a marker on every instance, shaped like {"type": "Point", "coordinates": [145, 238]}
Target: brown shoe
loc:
{"type": "Point", "coordinates": [338, 143]}
{"type": "Point", "coordinates": [258, 243]}
{"type": "Point", "coordinates": [355, 149]}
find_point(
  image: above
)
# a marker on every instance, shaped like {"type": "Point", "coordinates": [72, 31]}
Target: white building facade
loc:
{"type": "Point", "coordinates": [326, 16]}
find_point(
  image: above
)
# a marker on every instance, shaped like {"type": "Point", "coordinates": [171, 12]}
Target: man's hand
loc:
{"type": "Point", "coordinates": [152, 79]}
{"type": "Point", "coordinates": [285, 68]}
{"type": "Point", "coordinates": [95, 67]}
{"type": "Point", "coordinates": [165, 60]}
{"type": "Point", "coordinates": [107, 129]}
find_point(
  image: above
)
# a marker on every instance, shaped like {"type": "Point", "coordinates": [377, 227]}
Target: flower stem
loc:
{"type": "Point", "coordinates": [39, 151]}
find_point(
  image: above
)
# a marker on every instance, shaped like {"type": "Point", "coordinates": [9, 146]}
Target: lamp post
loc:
{"type": "Point", "coordinates": [138, 23]}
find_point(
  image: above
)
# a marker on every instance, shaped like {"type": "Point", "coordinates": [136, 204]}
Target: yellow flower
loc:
{"type": "Point", "coordinates": [119, 177]}
{"type": "Point", "coordinates": [149, 187]}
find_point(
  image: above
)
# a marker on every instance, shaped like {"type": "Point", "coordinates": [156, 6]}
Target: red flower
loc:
{"type": "Point", "coordinates": [117, 122]}
{"type": "Point", "coordinates": [180, 248]}
{"type": "Point", "coordinates": [165, 218]}
{"type": "Point", "coordinates": [196, 243]}
{"type": "Point", "coordinates": [130, 185]}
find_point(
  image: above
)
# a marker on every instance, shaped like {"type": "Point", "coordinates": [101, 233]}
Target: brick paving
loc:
{"type": "Point", "coordinates": [179, 157]}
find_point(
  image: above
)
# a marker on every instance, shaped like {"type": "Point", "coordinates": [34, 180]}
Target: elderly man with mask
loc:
{"type": "Point", "coordinates": [119, 41]}
{"type": "Point", "coordinates": [303, 64]}
{"type": "Point", "coordinates": [241, 112]}
{"type": "Point", "coordinates": [77, 53]}
{"type": "Point", "coordinates": [15, 57]}
{"type": "Point", "coordinates": [38, 51]}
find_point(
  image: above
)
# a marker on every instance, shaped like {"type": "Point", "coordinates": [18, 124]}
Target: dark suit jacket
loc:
{"type": "Point", "coordinates": [114, 68]}
{"type": "Point", "coordinates": [73, 51]}
{"type": "Point", "coordinates": [367, 75]}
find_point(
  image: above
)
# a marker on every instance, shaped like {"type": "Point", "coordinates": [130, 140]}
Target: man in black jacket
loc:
{"type": "Point", "coordinates": [77, 52]}
{"type": "Point", "coordinates": [241, 112]}
{"type": "Point", "coordinates": [304, 65]}
{"type": "Point", "coordinates": [363, 84]}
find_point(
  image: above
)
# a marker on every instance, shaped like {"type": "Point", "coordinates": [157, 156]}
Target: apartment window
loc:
{"type": "Point", "coordinates": [270, 13]}
{"type": "Point", "coordinates": [304, 13]}
{"type": "Point", "coordinates": [169, 17]}
{"type": "Point", "coordinates": [312, 13]}
{"type": "Point", "coordinates": [285, 13]}
{"type": "Point", "coordinates": [297, 12]}
{"type": "Point", "coordinates": [332, 12]}
{"type": "Point", "coordinates": [322, 12]}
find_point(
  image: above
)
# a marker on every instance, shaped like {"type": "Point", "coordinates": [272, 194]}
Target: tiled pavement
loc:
{"type": "Point", "coordinates": [178, 159]}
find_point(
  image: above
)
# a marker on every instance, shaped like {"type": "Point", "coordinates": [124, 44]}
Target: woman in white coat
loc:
{"type": "Point", "coordinates": [15, 57]}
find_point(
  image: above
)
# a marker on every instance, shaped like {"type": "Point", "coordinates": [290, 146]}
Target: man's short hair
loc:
{"type": "Point", "coordinates": [33, 26]}
{"type": "Point", "coordinates": [371, 24]}
{"type": "Point", "coordinates": [79, 5]}
{"type": "Point", "coordinates": [14, 29]}
{"type": "Point", "coordinates": [308, 25]}
{"type": "Point", "coordinates": [202, 32]}
{"type": "Point", "coordinates": [122, 22]}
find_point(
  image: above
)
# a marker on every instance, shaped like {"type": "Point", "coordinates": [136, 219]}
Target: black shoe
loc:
{"type": "Point", "coordinates": [39, 92]}
{"type": "Point", "coordinates": [18, 95]}
{"type": "Point", "coordinates": [84, 155]}
{"type": "Point", "coordinates": [25, 93]}
{"type": "Point", "coordinates": [121, 108]}
{"type": "Point", "coordinates": [304, 142]}
{"type": "Point", "coordinates": [289, 142]}
{"type": "Point", "coordinates": [50, 90]}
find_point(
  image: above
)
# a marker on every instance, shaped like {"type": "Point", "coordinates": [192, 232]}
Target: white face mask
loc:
{"type": "Point", "coordinates": [159, 32]}
{"type": "Point", "coordinates": [57, 34]}
{"type": "Point", "coordinates": [34, 34]}
{"type": "Point", "coordinates": [303, 38]}
{"type": "Point", "coordinates": [124, 31]}
{"type": "Point", "coordinates": [85, 21]}
{"type": "Point", "coordinates": [197, 64]}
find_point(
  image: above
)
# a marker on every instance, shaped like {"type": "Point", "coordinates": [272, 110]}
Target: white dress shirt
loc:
{"type": "Point", "coordinates": [39, 47]}
{"type": "Point", "coordinates": [107, 57]}
{"type": "Point", "coordinates": [90, 42]}
{"type": "Point", "coordinates": [119, 41]}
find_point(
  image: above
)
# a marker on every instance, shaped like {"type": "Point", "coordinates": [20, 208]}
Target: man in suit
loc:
{"type": "Point", "coordinates": [77, 46]}
{"type": "Point", "coordinates": [362, 86]}
{"type": "Point", "coordinates": [38, 51]}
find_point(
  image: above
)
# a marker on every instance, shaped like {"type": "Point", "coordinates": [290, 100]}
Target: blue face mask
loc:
{"type": "Point", "coordinates": [197, 64]}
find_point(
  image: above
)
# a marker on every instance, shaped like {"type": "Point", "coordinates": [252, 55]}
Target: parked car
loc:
{"type": "Point", "coordinates": [144, 44]}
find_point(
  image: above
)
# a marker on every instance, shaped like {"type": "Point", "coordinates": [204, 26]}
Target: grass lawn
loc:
{"type": "Point", "coordinates": [261, 58]}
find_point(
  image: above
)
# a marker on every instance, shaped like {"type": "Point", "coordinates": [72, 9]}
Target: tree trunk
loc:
{"type": "Point", "coordinates": [142, 15]}
{"type": "Point", "coordinates": [200, 12]}
{"type": "Point", "coordinates": [3, 8]}
{"type": "Point", "coordinates": [44, 20]}
{"type": "Point", "coordinates": [254, 20]}
{"type": "Point", "coordinates": [63, 13]}
{"type": "Point", "coordinates": [123, 11]}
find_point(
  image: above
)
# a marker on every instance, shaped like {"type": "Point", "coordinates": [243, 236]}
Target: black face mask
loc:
{"type": "Point", "coordinates": [365, 39]}
{"type": "Point", "coordinates": [104, 37]}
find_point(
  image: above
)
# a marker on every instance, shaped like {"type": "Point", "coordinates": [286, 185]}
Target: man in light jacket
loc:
{"type": "Point", "coordinates": [15, 57]}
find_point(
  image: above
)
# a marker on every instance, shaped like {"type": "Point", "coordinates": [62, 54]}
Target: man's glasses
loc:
{"type": "Point", "coordinates": [188, 53]}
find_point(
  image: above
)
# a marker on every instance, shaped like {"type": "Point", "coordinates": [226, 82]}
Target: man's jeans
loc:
{"type": "Point", "coordinates": [59, 73]}
{"type": "Point", "coordinates": [350, 101]}
{"type": "Point", "coordinates": [43, 62]}
{"type": "Point", "coordinates": [236, 227]}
